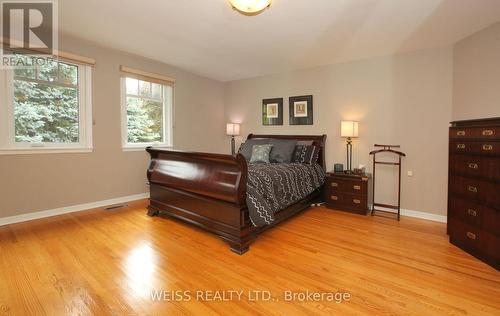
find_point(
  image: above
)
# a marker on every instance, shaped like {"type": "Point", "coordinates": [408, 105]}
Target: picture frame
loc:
{"type": "Point", "coordinates": [272, 111]}
{"type": "Point", "coordinates": [301, 110]}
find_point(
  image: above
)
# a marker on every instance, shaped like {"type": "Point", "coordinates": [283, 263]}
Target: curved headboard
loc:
{"type": "Point", "coordinates": [318, 140]}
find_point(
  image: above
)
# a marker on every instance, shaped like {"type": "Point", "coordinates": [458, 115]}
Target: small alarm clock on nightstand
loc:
{"type": "Point", "coordinates": [338, 167]}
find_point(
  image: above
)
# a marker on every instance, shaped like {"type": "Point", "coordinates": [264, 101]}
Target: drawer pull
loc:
{"type": "Point", "coordinates": [334, 197]}
{"type": "Point", "coordinates": [460, 146]}
{"type": "Point", "coordinates": [487, 132]}
{"type": "Point", "coordinates": [334, 184]}
{"type": "Point", "coordinates": [471, 235]}
{"type": "Point", "coordinates": [473, 165]}
{"type": "Point", "coordinates": [472, 212]}
{"type": "Point", "coordinates": [460, 133]}
{"type": "Point", "coordinates": [356, 201]}
{"type": "Point", "coordinates": [357, 187]}
{"type": "Point", "coordinates": [472, 188]}
{"type": "Point", "coordinates": [487, 147]}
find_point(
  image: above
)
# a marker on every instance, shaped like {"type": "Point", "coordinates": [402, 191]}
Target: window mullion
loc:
{"type": "Point", "coordinates": [168, 97]}
{"type": "Point", "coordinates": [9, 85]}
{"type": "Point", "coordinates": [124, 105]}
{"type": "Point", "coordinates": [144, 98]}
{"type": "Point", "coordinates": [165, 117]}
{"type": "Point", "coordinates": [82, 101]}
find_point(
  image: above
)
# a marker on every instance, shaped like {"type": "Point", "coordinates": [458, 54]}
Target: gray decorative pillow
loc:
{"type": "Point", "coordinates": [306, 154]}
{"type": "Point", "coordinates": [260, 153]}
{"type": "Point", "coordinates": [305, 142]}
{"type": "Point", "coordinates": [246, 147]}
{"type": "Point", "coordinates": [282, 151]}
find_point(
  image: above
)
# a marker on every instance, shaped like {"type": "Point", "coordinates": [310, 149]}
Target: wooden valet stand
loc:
{"type": "Point", "coordinates": [387, 149]}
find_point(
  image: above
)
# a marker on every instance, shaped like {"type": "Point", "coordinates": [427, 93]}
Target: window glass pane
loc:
{"type": "Point", "coordinates": [132, 86]}
{"type": "Point", "coordinates": [29, 73]}
{"type": "Point", "coordinates": [48, 72]}
{"type": "Point", "coordinates": [68, 74]}
{"type": "Point", "coordinates": [144, 120]}
{"type": "Point", "coordinates": [156, 90]}
{"type": "Point", "coordinates": [46, 112]}
{"type": "Point", "coordinates": [144, 88]}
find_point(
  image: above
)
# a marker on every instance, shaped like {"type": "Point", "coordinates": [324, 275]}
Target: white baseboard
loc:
{"type": "Point", "coordinates": [124, 199]}
{"type": "Point", "coordinates": [417, 214]}
{"type": "Point", "coordinates": [70, 209]}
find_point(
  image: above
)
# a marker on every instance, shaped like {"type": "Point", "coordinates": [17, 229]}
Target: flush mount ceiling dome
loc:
{"type": "Point", "coordinates": [250, 7]}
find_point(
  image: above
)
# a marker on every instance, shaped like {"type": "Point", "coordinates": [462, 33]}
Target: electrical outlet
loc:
{"type": "Point", "coordinates": [410, 173]}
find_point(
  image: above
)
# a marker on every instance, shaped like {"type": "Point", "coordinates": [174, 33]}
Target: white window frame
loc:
{"type": "Point", "coordinates": [8, 145]}
{"type": "Point", "coordinates": [168, 105]}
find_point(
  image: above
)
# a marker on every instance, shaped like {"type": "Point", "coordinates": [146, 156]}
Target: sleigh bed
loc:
{"type": "Point", "coordinates": [209, 191]}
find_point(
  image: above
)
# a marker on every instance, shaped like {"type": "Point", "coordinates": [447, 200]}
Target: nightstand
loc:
{"type": "Point", "coordinates": [348, 192]}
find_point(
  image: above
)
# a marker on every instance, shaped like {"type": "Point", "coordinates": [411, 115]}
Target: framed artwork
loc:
{"type": "Point", "coordinates": [272, 111]}
{"type": "Point", "coordinates": [301, 110]}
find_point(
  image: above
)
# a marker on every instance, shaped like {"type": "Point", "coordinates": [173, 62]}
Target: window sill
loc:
{"type": "Point", "coordinates": [30, 151]}
{"type": "Point", "coordinates": [143, 147]}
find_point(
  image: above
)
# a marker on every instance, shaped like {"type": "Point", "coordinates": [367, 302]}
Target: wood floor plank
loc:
{"type": "Point", "coordinates": [101, 262]}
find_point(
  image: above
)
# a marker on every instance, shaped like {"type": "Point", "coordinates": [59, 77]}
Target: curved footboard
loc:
{"type": "Point", "coordinates": [216, 176]}
{"type": "Point", "coordinates": [204, 189]}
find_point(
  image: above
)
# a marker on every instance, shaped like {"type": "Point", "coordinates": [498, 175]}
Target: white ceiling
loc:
{"type": "Point", "coordinates": [207, 37]}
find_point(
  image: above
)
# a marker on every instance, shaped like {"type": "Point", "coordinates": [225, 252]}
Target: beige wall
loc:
{"type": "Point", "coordinates": [476, 87]}
{"type": "Point", "coordinates": [404, 99]}
{"type": "Point", "coordinates": [45, 181]}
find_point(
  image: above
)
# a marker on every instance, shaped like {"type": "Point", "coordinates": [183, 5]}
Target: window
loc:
{"type": "Point", "coordinates": [146, 113]}
{"type": "Point", "coordinates": [46, 108]}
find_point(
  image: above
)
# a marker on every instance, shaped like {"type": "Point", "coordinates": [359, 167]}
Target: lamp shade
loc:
{"type": "Point", "coordinates": [349, 129]}
{"type": "Point", "coordinates": [233, 129]}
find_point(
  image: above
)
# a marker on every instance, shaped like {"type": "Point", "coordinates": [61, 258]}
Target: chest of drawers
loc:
{"type": "Point", "coordinates": [348, 192]}
{"type": "Point", "coordinates": [474, 188]}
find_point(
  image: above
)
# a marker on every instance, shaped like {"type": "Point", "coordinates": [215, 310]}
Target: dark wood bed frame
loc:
{"type": "Point", "coordinates": [209, 191]}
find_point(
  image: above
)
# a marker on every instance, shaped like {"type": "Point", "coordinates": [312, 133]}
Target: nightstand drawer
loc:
{"type": "Point", "coordinates": [350, 201]}
{"type": "Point", "coordinates": [348, 186]}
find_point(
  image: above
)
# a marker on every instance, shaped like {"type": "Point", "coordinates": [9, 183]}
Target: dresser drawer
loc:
{"type": "Point", "coordinates": [475, 166]}
{"type": "Point", "coordinates": [475, 132]}
{"type": "Point", "coordinates": [478, 147]}
{"type": "Point", "coordinates": [474, 214]}
{"type": "Point", "coordinates": [348, 201]}
{"type": "Point", "coordinates": [473, 238]}
{"type": "Point", "coordinates": [475, 190]}
{"type": "Point", "coordinates": [348, 186]}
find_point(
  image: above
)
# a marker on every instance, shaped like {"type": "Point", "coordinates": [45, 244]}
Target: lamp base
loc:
{"type": "Point", "coordinates": [349, 156]}
{"type": "Point", "coordinates": [233, 146]}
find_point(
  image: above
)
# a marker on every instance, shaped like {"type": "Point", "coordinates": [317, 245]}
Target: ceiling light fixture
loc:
{"type": "Point", "coordinates": [250, 7]}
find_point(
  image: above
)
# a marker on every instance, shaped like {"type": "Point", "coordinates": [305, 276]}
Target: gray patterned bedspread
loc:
{"type": "Point", "coordinates": [273, 187]}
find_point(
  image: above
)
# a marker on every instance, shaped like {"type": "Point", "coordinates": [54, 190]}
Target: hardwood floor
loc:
{"type": "Point", "coordinates": [109, 262]}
